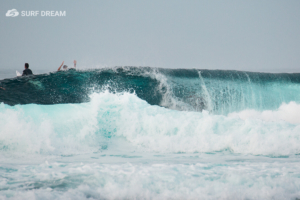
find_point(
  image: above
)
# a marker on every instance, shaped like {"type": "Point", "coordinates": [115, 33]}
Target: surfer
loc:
{"type": "Point", "coordinates": [65, 67]}
{"type": "Point", "coordinates": [26, 71]}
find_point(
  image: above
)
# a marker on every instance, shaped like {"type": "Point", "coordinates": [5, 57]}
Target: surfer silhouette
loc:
{"type": "Point", "coordinates": [27, 71]}
{"type": "Point", "coordinates": [65, 67]}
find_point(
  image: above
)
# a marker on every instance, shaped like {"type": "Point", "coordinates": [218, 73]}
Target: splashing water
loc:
{"type": "Point", "coordinates": [145, 133]}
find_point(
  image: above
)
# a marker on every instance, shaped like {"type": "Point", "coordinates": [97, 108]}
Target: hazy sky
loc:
{"type": "Point", "coordinates": [243, 35]}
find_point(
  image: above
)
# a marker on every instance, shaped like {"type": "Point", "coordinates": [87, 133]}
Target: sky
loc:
{"type": "Point", "coordinates": [256, 35]}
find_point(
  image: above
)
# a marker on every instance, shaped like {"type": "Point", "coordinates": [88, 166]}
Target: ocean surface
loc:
{"type": "Point", "coordinates": [150, 133]}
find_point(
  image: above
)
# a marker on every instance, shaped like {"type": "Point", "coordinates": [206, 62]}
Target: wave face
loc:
{"type": "Point", "coordinates": [220, 92]}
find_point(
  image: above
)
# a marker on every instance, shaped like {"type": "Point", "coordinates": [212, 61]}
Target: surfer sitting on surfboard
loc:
{"type": "Point", "coordinates": [65, 67]}
{"type": "Point", "coordinates": [26, 71]}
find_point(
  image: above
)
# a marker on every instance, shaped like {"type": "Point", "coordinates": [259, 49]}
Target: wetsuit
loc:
{"type": "Point", "coordinates": [27, 72]}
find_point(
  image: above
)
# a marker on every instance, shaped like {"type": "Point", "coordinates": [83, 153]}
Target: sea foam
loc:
{"type": "Point", "coordinates": [89, 127]}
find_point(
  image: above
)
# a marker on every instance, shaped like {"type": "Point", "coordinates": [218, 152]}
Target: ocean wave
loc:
{"type": "Point", "coordinates": [220, 92]}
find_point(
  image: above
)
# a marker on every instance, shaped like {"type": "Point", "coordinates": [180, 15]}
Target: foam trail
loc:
{"type": "Point", "coordinates": [233, 180]}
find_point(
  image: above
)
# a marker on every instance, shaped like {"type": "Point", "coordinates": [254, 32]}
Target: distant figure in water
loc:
{"type": "Point", "coordinates": [26, 71]}
{"type": "Point", "coordinates": [65, 67]}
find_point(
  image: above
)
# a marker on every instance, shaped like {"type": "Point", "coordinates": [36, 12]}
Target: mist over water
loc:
{"type": "Point", "coordinates": [148, 133]}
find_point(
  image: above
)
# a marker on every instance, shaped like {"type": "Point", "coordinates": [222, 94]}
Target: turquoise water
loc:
{"type": "Point", "coordinates": [143, 133]}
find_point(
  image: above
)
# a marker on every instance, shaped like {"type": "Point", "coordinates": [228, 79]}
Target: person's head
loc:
{"type": "Point", "coordinates": [65, 67]}
{"type": "Point", "coordinates": [26, 65]}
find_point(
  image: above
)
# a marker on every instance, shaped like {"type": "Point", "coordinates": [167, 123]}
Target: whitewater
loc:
{"type": "Point", "coordinates": [150, 133]}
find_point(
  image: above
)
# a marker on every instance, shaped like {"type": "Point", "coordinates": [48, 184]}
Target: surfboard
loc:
{"type": "Point", "coordinates": [18, 73]}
